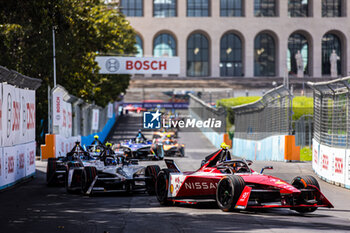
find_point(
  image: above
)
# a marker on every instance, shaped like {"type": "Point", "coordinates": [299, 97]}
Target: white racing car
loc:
{"type": "Point", "coordinates": [111, 173]}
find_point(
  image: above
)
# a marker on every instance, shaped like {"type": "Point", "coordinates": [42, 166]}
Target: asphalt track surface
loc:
{"type": "Point", "coordinates": [34, 207]}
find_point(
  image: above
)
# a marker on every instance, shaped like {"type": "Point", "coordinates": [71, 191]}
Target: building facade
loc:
{"type": "Point", "coordinates": [244, 38]}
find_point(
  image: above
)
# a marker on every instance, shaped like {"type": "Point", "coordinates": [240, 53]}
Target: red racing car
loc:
{"type": "Point", "coordinates": [234, 185]}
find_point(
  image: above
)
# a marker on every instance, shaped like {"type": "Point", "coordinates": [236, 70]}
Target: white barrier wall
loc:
{"type": "Point", "coordinates": [64, 145]}
{"type": "Point", "coordinates": [16, 163]}
{"type": "Point", "coordinates": [17, 134]}
{"type": "Point", "coordinates": [331, 164]}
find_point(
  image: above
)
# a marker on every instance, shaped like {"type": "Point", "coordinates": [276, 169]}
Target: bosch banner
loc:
{"type": "Point", "coordinates": [62, 114]}
{"type": "Point", "coordinates": [138, 65]}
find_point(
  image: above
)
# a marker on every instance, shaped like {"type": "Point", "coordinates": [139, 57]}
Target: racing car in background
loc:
{"type": "Point", "coordinates": [234, 185]}
{"type": "Point", "coordinates": [171, 146]}
{"type": "Point", "coordinates": [144, 150]}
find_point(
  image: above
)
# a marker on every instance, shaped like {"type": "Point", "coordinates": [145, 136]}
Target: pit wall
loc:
{"type": "Point", "coordinates": [273, 148]}
{"type": "Point", "coordinates": [331, 164]}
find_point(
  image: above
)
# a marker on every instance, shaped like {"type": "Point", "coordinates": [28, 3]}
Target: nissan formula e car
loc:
{"type": "Point", "coordinates": [144, 150]}
{"type": "Point", "coordinates": [234, 185]}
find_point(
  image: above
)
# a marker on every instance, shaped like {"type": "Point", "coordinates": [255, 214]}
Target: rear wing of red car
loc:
{"type": "Point", "coordinates": [172, 165]}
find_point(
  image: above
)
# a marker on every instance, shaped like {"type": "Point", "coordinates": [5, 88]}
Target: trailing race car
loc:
{"type": "Point", "coordinates": [234, 185]}
{"type": "Point", "coordinates": [112, 173]}
{"type": "Point", "coordinates": [140, 149]}
{"type": "Point", "coordinates": [96, 147]}
{"type": "Point", "coordinates": [171, 147]}
{"type": "Point", "coordinates": [163, 133]}
{"type": "Point", "coordinates": [57, 168]}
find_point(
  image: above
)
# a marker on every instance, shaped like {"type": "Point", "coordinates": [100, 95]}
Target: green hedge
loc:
{"type": "Point", "coordinates": [301, 106]}
{"type": "Point", "coordinates": [231, 102]}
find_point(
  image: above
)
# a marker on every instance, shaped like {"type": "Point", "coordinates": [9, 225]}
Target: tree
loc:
{"type": "Point", "coordinates": [83, 29]}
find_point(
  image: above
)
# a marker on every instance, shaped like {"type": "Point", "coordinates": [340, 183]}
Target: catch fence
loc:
{"type": "Point", "coordinates": [271, 115]}
{"type": "Point", "coordinates": [204, 111]}
{"type": "Point", "coordinates": [331, 112]}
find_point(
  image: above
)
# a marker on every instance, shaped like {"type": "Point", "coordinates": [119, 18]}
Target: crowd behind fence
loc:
{"type": "Point", "coordinates": [331, 112]}
{"type": "Point", "coordinates": [271, 115]}
{"type": "Point", "coordinates": [201, 109]}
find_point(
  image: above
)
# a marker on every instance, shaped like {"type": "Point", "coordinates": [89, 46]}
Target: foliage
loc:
{"type": "Point", "coordinates": [306, 154]}
{"type": "Point", "coordinates": [231, 102]}
{"type": "Point", "coordinates": [302, 106]}
{"type": "Point", "coordinates": [83, 29]}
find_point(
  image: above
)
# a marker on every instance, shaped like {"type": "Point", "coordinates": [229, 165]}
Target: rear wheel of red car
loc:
{"type": "Point", "coordinates": [162, 186]}
{"type": "Point", "coordinates": [151, 174]}
{"type": "Point", "coordinates": [303, 182]}
{"type": "Point", "coordinates": [228, 191]}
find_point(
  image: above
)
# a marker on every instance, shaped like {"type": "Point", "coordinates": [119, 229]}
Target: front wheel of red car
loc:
{"type": "Point", "coordinates": [303, 182]}
{"type": "Point", "coordinates": [228, 191]}
{"type": "Point", "coordinates": [162, 186]}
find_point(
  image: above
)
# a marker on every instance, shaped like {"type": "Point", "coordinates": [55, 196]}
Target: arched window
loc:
{"type": "Point", "coordinates": [265, 8]}
{"type": "Point", "coordinates": [197, 55]}
{"type": "Point", "coordinates": [198, 8]}
{"type": "Point", "coordinates": [230, 55]}
{"type": "Point", "coordinates": [330, 42]}
{"type": "Point", "coordinates": [264, 55]}
{"type": "Point", "coordinates": [139, 46]}
{"type": "Point", "coordinates": [331, 8]}
{"type": "Point", "coordinates": [231, 8]}
{"type": "Point", "coordinates": [132, 8]}
{"type": "Point", "coordinates": [298, 8]}
{"type": "Point", "coordinates": [164, 45]}
{"type": "Point", "coordinates": [164, 8]}
{"type": "Point", "coordinates": [297, 42]}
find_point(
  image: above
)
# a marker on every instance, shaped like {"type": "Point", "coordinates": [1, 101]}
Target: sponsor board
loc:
{"type": "Point", "coordinates": [63, 145]}
{"type": "Point", "coordinates": [95, 119]}
{"type": "Point", "coordinates": [16, 162]}
{"type": "Point", "coordinates": [315, 155]}
{"type": "Point", "coordinates": [138, 65]}
{"type": "Point", "coordinates": [62, 114]}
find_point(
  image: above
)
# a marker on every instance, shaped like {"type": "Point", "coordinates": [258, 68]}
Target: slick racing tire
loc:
{"type": "Point", "coordinates": [75, 177]}
{"type": "Point", "coordinates": [87, 177]}
{"type": "Point", "coordinates": [228, 191]}
{"type": "Point", "coordinates": [162, 186]}
{"type": "Point", "coordinates": [303, 182]}
{"type": "Point", "coordinates": [182, 152]}
{"type": "Point", "coordinates": [50, 171]}
{"type": "Point", "coordinates": [151, 174]}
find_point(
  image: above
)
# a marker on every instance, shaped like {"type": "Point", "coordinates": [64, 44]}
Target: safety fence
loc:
{"type": "Point", "coordinates": [201, 110]}
{"type": "Point", "coordinates": [331, 145]}
{"type": "Point", "coordinates": [271, 115]}
{"type": "Point", "coordinates": [73, 119]}
{"type": "Point", "coordinates": [261, 128]}
{"type": "Point", "coordinates": [17, 127]}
